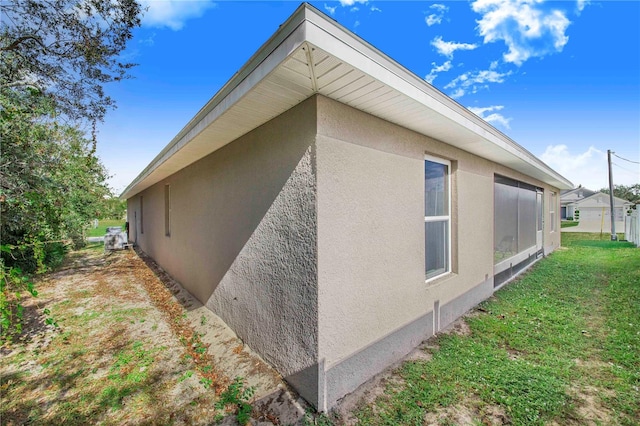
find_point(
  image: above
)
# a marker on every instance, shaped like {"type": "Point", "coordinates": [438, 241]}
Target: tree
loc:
{"type": "Point", "coordinates": [67, 50]}
{"type": "Point", "coordinates": [113, 208]}
{"type": "Point", "coordinates": [51, 184]}
{"type": "Point", "coordinates": [56, 56]}
{"type": "Point", "coordinates": [629, 193]}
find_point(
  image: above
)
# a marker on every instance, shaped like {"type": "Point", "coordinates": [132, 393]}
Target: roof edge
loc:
{"type": "Point", "coordinates": [307, 21]}
{"type": "Point", "coordinates": [268, 47]}
{"type": "Point", "coordinates": [394, 67]}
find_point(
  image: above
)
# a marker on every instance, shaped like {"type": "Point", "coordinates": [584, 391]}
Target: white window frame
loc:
{"type": "Point", "coordinates": [446, 218]}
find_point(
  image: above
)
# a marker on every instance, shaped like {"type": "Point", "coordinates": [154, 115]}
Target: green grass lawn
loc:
{"type": "Point", "coordinates": [569, 223]}
{"type": "Point", "coordinates": [560, 345]}
{"type": "Point", "coordinates": [101, 230]}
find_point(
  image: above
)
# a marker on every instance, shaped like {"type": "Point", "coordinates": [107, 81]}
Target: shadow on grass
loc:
{"type": "Point", "coordinates": [88, 407]}
{"type": "Point", "coordinates": [602, 244]}
{"type": "Point", "coordinates": [593, 239]}
{"type": "Point", "coordinates": [569, 224]}
{"type": "Point", "coordinates": [91, 370]}
{"type": "Point", "coordinates": [77, 394]}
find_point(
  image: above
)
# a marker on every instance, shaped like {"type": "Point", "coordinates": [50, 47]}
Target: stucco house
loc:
{"type": "Point", "coordinates": [567, 199]}
{"type": "Point", "coordinates": [595, 210]}
{"type": "Point", "coordinates": [335, 210]}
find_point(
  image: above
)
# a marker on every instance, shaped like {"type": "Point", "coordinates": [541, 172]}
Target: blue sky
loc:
{"type": "Point", "coordinates": [560, 78]}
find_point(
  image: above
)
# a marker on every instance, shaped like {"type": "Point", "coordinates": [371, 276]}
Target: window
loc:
{"type": "Point", "coordinates": [552, 211]}
{"type": "Point", "coordinates": [141, 215]}
{"type": "Point", "coordinates": [167, 210]}
{"type": "Point", "coordinates": [437, 216]}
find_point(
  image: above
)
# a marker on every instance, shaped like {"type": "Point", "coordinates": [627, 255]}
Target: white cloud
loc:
{"type": "Point", "coordinates": [352, 2]}
{"type": "Point", "coordinates": [494, 117]}
{"type": "Point", "coordinates": [581, 4]}
{"type": "Point", "coordinates": [458, 93]}
{"type": "Point", "coordinates": [331, 10]}
{"type": "Point", "coordinates": [474, 81]}
{"type": "Point", "coordinates": [524, 26]}
{"type": "Point", "coordinates": [437, 69]}
{"type": "Point", "coordinates": [588, 169]}
{"type": "Point", "coordinates": [352, 5]}
{"type": "Point", "coordinates": [149, 41]}
{"type": "Point", "coordinates": [479, 111]}
{"type": "Point", "coordinates": [447, 48]}
{"type": "Point", "coordinates": [436, 18]}
{"type": "Point", "coordinates": [173, 13]}
{"type": "Point", "coordinates": [433, 19]}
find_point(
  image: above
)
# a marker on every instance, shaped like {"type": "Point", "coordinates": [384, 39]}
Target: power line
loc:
{"type": "Point", "coordinates": [631, 161]}
{"type": "Point", "coordinates": [627, 170]}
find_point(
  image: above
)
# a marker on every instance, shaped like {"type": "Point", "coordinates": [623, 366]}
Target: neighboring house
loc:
{"type": "Point", "coordinates": [570, 196]}
{"type": "Point", "coordinates": [595, 210]}
{"type": "Point", "coordinates": [335, 210]}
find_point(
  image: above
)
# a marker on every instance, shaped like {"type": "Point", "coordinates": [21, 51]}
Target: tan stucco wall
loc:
{"type": "Point", "coordinates": [307, 237]}
{"type": "Point", "coordinates": [243, 236]}
{"type": "Point", "coordinates": [371, 229]}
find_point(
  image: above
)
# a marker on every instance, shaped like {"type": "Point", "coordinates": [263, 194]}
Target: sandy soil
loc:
{"type": "Point", "coordinates": [105, 305]}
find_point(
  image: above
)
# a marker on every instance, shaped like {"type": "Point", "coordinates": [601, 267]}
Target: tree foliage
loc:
{"type": "Point", "coordinates": [52, 183]}
{"type": "Point", "coordinates": [629, 193]}
{"type": "Point", "coordinates": [67, 50]}
{"type": "Point", "coordinates": [56, 57]}
{"type": "Point", "coordinates": [113, 208]}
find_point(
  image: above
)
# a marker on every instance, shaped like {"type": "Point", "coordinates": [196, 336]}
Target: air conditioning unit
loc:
{"type": "Point", "coordinates": [115, 239]}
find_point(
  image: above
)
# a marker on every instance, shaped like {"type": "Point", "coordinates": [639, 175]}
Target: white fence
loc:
{"type": "Point", "coordinates": [632, 227]}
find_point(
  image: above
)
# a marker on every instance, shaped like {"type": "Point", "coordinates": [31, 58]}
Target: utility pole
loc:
{"type": "Point", "coordinates": [614, 237]}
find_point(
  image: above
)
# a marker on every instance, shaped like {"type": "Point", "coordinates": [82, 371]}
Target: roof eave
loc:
{"type": "Point", "coordinates": [309, 27]}
{"type": "Point", "coordinates": [285, 31]}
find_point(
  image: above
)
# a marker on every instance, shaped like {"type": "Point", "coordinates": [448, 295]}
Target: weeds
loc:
{"type": "Point", "coordinates": [186, 375]}
{"type": "Point", "coordinates": [237, 397]}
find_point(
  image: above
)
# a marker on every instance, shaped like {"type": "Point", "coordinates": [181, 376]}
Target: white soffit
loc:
{"type": "Point", "coordinates": [312, 54]}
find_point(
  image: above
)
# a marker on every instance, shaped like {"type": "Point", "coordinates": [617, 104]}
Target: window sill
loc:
{"type": "Point", "coordinates": [446, 276]}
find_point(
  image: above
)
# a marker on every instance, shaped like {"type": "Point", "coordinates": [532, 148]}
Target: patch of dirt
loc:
{"type": "Point", "coordinates": [228, 353]}
{"type": "Point", "coordinates": [459, 327]}
{"type": "Point", "coordinates": [589, 405]}
{"type": "Point", "coordinates": [367, 393]}
{"type": "Point", "coordinates": [471, 411]}
{"type": "Point", "coordinates": [121, 320]}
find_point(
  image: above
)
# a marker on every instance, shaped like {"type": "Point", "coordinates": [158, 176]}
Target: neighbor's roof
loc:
{"type": "Point", "coordinates": [600, 199]}
{"type": "Point", "coordinates": [571, 195]}
{"type": "Point", "coordinates": [312, 54]}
